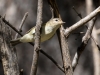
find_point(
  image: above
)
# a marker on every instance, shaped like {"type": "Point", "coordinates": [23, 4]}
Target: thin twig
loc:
{"type": "Point", "coordinates": [79, 14]}
{"type": "Point", "coordinates": [37, 38]}
{"type": "Point", "coordinates": [21, 24]}
{"type": "Point", "coordinates": [10, 25]}
{"type": "Point", "coordinates": [60, 67]}
{"type": "Point", "coordinates": [95, 43]}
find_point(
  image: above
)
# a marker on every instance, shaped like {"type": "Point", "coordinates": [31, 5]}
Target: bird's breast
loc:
{"type": "Point", "coordinates": [48, 30]}
{"type": "Point", "coordinates": [47, 33]}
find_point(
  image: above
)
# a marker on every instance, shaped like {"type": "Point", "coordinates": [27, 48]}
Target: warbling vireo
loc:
{"type": "Point", "coordinates": [47, 31]}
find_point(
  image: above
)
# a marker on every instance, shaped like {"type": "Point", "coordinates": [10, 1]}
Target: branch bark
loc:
{"type": "Point", "coordinates": [21, 25]}
{"type": "Point", "coordinates": [65, 54]}
{"type": "Point", "coordinates": [6, 22]}
{"type": "Point", "coordinates": [96, 43]}
{"type": "Point", "coordinates": [8, 53]}
{"type": "Point", "coordinates": [37, 38]}
{"type": "Point", "coordinates": [81, 48]}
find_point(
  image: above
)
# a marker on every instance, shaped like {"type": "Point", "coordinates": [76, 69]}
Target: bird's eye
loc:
{"type": "Point", "coordinates": [56, 20]}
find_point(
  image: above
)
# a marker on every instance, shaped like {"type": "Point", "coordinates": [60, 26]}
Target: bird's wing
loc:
{"type": "Point", "coordinates": [30, 29]}
{"type": "Point", "coordinates": [34, 28]}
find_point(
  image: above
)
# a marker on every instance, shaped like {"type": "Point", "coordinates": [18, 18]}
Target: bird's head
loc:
{"type": "Point", "coordinates": [55, 22]}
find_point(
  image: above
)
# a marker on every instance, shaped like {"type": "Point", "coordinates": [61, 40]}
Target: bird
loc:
{"type": "Point", "coordinates": [48, 30]}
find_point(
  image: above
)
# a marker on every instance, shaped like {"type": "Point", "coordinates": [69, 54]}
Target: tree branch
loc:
{"type": "Point", "coordinates": [37, 38]}
{"type": "Point", "coordinates": [65, 53]}
{"type": "Point", "coordinates": [8, 53]}
{"type": "Point", "coordinates": [21, 25]}
{"type": "Point", "coordinates": [82, 21]}
{"type": "Point", "coordinates": [60, 67]}
{"type": "Point", "coordinates": [87, 27]}
{"type": "Point", "coordinates": [85, 40]}
{"type": "Point", "coordinates": [6, 22]}
{"type": "Point", "coordinates": [80, 49]}
{"type": "Point", "coordinates": [20, 30]}
{"type": "Point", "coordinates": [79, 14]}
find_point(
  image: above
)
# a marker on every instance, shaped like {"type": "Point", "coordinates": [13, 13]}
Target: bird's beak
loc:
{"type": "Point", "coordinates": [64, 22]}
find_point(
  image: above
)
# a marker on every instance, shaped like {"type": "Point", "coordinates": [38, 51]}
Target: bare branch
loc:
{"type": "Point", "coordinates": [87, 27]}
{"type": "Point", "coordinates": [21, 25]}
{"type": "Point", "coordinates": [82, 21]}
{"type": "Point", "coordinates": [79, 14]}
{"type": "Point", "coordinates": [6, 22]}
{"type": "Point", "coordinates": [95, 42]}
{"type": "Point", "coordinates": [60, 67]}
{"type": "Point", "coordinates": [65, 54]}
{"type": "Point", "coordinates": [37, 38]}
{"type": "Point", "coordinates": [83, 45]}
{"type": "Point", "coordinates": [8, 53]}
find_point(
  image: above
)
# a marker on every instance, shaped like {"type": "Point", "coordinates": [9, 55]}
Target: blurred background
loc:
{"type": "Point", "coordinates": [15, 10]}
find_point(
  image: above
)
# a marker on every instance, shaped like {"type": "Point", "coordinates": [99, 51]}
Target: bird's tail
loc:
{"type": "Point", "coordinates": [15, 42]}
